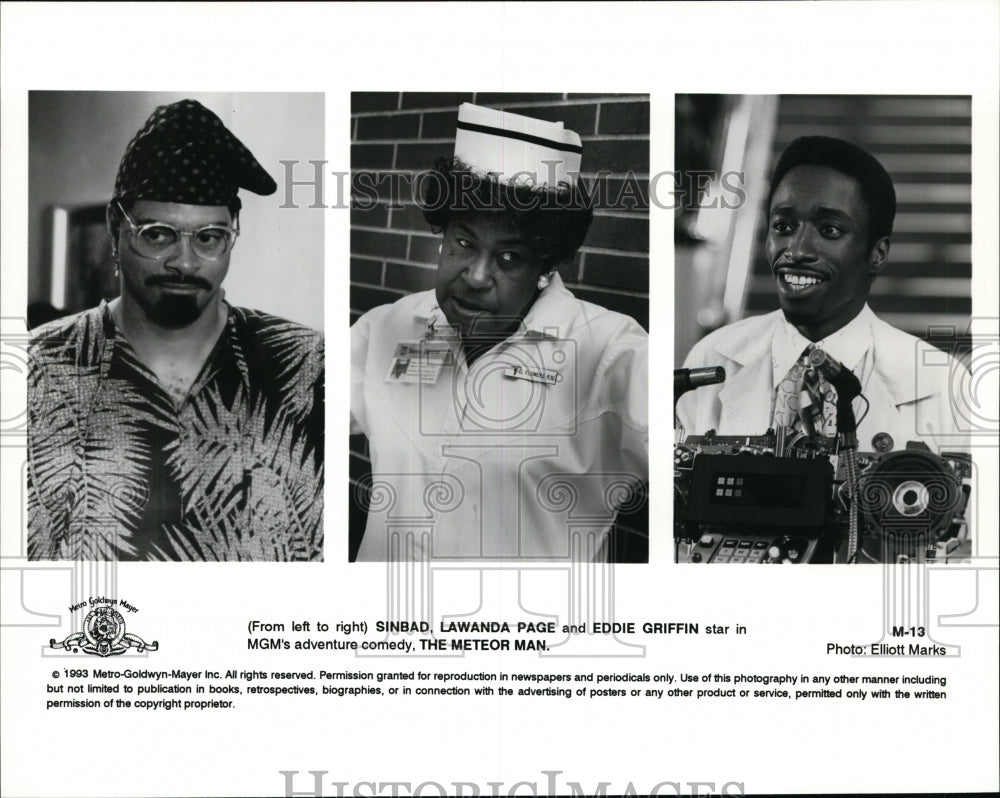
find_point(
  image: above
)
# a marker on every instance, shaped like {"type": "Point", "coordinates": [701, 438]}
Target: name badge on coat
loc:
{"type": "Point", "coordinates": [419, 361]}
{"type": "Point", "coordinates": [547, 376]}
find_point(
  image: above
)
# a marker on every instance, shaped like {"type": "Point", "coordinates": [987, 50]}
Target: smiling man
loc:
{"type": "Point", "coordinates": [167, 424]}
{"type": "Point", "coordinates": [498, 407]}
{"type": "Point", "coordinates": [830, 216]}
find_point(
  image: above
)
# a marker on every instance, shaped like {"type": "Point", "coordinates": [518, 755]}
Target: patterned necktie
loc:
{"type": "Point", "coordinates": [804, 401]}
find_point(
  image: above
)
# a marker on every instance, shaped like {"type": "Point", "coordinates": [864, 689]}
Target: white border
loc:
{"type": "Point", "coordinates": [200, 612]}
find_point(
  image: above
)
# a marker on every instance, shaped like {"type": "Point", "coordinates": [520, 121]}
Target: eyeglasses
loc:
{"type": "Point", "coordinates": [160, 240]}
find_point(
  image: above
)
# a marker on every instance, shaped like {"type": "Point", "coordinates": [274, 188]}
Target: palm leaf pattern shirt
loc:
{"type": "Point", "coordinates": [118, 471]}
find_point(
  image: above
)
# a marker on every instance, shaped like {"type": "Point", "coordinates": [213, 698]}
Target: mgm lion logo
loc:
{"type": "Point", "coordinates": [104, 635]}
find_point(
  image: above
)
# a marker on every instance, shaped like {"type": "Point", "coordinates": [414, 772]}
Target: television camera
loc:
{"type": "Point", "coordinates": [785, 497]}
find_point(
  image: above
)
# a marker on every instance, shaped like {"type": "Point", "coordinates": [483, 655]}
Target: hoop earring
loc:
{"type": "Point", "coordinates": [543, 282]}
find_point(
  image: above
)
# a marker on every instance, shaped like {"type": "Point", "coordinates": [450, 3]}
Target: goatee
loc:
{"type": "Point", "coordinates": [174, 312]}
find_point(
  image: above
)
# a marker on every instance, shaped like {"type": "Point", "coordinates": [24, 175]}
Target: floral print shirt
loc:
{"type": "Point", "coordinates": [118, 471]}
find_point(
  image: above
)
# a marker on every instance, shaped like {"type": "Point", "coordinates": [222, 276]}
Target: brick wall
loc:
{"type": "Point", "coordinates": [394, 252]}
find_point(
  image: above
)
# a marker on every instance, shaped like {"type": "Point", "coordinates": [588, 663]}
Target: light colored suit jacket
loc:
{"type": "Point", "coordinates": [909, 387]}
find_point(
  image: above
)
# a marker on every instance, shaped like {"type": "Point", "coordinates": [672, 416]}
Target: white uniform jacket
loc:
{"type": "Point", "coordinates": [528, 454]}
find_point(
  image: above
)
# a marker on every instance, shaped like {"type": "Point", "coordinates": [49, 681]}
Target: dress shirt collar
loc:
{"type": "Point", "coordinates": [848, 345]}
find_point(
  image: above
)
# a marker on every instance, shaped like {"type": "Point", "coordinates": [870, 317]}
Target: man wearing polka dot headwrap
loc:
{"type": "Point", "coordinates": [185, 154]}
{"type": "Point", "coordinates": [166, 423]}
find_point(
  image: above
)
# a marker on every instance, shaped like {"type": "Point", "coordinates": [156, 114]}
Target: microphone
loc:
{"type": "Point", "coordinates": [688, 379]}
{"type": "Point", "coordinates": [844, 380]}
